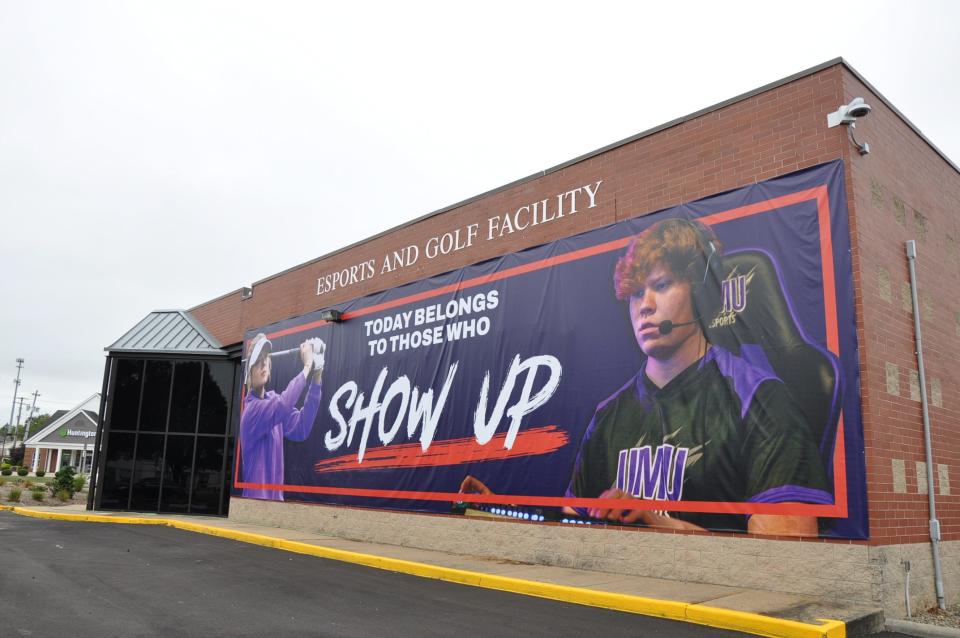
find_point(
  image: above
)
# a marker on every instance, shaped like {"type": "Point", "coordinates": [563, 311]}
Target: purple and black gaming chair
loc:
{"type": "Point", "coordinates": [759, 323]}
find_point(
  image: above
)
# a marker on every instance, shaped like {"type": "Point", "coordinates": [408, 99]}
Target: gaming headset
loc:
{"type": "Point", "coordinates": [706, 289]}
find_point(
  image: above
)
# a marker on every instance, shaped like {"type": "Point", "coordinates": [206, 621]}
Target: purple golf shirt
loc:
{"type": "Point", "coordinates": [265, 423]}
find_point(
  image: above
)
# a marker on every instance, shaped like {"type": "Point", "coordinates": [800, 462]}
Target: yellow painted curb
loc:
{"type": "Point", "coordinates": [763, 625]}
{"type": "Point", "coordinates": [689, 612]}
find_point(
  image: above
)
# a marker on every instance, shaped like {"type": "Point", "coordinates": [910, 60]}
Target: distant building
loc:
{"type": "Point", "coordinates": [66, 440]}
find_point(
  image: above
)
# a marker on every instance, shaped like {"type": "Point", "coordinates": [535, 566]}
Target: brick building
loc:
{"type": "Point", "coordinates": [66, 440]}
{"type": "Point", "coordinates": [903, 189]}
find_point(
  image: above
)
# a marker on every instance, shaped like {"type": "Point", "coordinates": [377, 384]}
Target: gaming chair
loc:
{"type": "Point", "coordinates": [760, 326]}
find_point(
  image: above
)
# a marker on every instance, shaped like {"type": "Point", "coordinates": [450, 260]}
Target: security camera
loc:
{"type": "Point", "coordinates": [848, 113]}
{"type": "Point", "coordinates": [858, 108]}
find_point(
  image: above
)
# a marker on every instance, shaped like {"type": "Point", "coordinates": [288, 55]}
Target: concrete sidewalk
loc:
{"type": "Point", "coordinates": [753, 611]}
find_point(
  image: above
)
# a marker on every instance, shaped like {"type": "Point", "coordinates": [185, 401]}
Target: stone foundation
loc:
{"type": "Point", "coordinates": [855, 572]}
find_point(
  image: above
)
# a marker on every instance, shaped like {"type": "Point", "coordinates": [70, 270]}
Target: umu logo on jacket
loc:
{"type": "Point", "coordinates": [645, 473]}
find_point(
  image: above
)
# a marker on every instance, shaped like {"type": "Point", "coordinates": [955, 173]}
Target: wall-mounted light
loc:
{"type": "Point", "coordinates": [331, 315]}
{"type": "Point", "coordinates": [847, 116]}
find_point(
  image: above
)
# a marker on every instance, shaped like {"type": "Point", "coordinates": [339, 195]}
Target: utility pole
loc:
{"type": "Point", "coordinates": [33, 409]}
{"type": "Point", "coordinates": [16, 385]}
{"type": "Point", "coordinates": [19, 412]}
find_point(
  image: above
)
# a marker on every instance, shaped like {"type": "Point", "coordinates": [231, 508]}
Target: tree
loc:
{"type": "Point", "coordinates": [63, 482]}
{"type": "Point", "coordinates": [38, 423]}
{"type": "Point", "coordinates": [16, 455]}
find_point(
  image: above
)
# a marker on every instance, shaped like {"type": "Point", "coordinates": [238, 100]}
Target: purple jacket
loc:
{"type": "Point", "coordinates": [263, 426]}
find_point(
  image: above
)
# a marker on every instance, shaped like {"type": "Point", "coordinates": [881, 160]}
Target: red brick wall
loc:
{"type": "Point", "coordinates": [46, 457]}
{"type": "Point", "coordinates": [45, 454]}
{"type": "Point", "coordinates": [903, 190]}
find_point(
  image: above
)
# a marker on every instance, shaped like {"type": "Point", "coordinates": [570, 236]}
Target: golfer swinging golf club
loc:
{"type": "Point", "coordinates": [268, 418]}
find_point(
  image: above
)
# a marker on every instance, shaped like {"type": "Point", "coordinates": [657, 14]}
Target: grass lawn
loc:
{"type": "Point", "coordinates": [33, 479]}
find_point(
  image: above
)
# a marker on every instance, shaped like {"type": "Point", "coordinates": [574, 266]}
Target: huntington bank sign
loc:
{"type": "Point", "coordinates": [83, 434]}
{"type": "Point", "coordinates": [537, 379]}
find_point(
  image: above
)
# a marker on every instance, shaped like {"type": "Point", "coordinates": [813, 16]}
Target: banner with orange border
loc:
{"type": "Point", "coordinates": [696, 367]}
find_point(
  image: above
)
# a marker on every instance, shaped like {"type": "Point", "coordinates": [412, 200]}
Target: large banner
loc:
{"type": "Point", "coordinates": [692, 368]}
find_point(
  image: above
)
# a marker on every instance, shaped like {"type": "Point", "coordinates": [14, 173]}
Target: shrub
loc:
{"type": "Point", "coordinates": [14, 495]}
{"type": "Point", "coordinates": [63, 481]}
{"type": "Point", "coordinates": [40, 473]}
{"type": "Point", "coordinates": [64, 495]}
{"type": "Point", "coordinates": [79, 482]}
{"type": "Point", "coordinates": [7, 471]}
{"type": "Point", "coordinates": [38, 495]}
{"type": "Point", "coordinates": [23, 471]}
{"type": "Point", "coordinates": [5, 466]}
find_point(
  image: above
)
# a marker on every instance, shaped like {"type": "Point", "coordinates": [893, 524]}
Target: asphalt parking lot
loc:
{"type": "Point", "coordinates": [61, 578]}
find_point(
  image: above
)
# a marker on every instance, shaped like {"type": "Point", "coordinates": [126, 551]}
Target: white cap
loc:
{"type": "Point", "coordinates": [256, 348]}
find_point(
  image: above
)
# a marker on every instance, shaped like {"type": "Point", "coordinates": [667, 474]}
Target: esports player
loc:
{"type": "Point", "coordinates": [696, 423]}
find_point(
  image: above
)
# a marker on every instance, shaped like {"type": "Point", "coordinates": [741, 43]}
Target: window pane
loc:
{"type": "Point", "coordinates": [186, 395]}
{"type": "Point", "coordinates": [126, 394]}
{"type": "Point", "coordinates": [117, 469]}
{"type": "Point", "coordinates": [208, 475]}
{"type": "Point", "coordinates": [156, 396]}
{"type": "Point", "coordinates": [146, 473]}
{"type": "Point", "coordinates": [176, 473]}
{"type": "Point", "coordinates": [217, 389]}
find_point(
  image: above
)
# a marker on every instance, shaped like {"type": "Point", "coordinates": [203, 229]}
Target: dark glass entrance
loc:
{"type": "Point", "coordinates": [167, 436]}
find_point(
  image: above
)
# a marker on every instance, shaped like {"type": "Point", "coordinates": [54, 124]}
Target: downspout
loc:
{"type": "Point", "coordinates": [934, 523]}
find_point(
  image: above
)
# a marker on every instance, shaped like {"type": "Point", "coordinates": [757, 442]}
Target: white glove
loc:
{"type": "Point", "coordinates": [319, 349]}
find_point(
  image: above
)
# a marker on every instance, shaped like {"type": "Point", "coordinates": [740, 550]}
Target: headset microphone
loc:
{"type": "Point", "coordinates": [666, 327]}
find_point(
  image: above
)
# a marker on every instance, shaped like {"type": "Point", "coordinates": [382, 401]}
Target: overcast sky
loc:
{"type": "Point", "coordinates": [156, 155]}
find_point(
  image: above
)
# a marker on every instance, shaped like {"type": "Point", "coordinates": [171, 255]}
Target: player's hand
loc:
{"type": "Point", "coordinates": [472, 485]}
{"type": "Point", "coordinates": [617, 514]}
{"type": "Point", "coordinates": [656, 519]}
{"type": "Point", "coordinates": [628, 516]}
{"type": "Point", "coordinates": [318, 351]}
{"type": "Point", "coordinates": [306, 354]}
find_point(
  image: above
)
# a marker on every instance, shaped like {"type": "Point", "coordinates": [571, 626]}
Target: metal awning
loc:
{"type": "Point", "coordinates": [168, 332]}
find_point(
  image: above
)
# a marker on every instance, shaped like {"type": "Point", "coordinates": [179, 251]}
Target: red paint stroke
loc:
{"type": "Point", "coordinates": [532, 442]}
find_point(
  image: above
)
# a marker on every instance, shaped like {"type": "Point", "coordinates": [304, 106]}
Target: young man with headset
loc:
{"type": "Point", "coordinates": [696, 423]}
